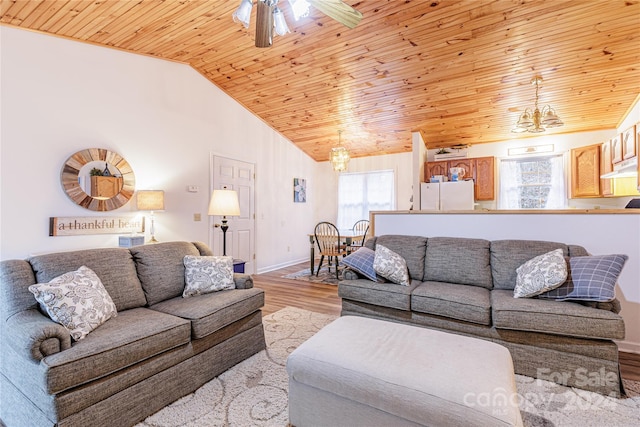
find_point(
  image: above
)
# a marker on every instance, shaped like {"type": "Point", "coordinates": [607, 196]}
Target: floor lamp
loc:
{"type": "Point", "coordinates": [150, 200]}
{"type": "Point", "coordinates": [225, 203]}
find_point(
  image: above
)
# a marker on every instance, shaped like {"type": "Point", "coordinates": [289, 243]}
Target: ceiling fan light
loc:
{"type": "Point", "coordinates": [243, 13]}
{"type": "Point", "coordinates": [300, 8]}
{"type": "Point", "coordinates": [279, 22]}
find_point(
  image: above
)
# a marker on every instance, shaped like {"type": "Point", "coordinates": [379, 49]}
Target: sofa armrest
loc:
{"type": "Point", "coordinates": [243, 281]}
{"type": "Point", "coordinates": [35, 336]}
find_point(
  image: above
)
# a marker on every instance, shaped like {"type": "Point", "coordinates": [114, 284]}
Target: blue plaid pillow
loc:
{"type": "Point", "coordinates": [362, 262]}
{"type": "Point", "coordinates": [591, 278]}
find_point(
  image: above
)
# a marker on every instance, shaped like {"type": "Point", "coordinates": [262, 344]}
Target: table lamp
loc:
{"type": "Point", "coordinates": [150, 200]}
{"type": "Point", "coordinates": [224, 202]}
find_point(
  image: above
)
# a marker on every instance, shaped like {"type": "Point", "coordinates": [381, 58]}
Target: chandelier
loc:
{"type": "Point", "coordinates": [339, 156]}
{"type": "Point", "coordinates": [537, 121]}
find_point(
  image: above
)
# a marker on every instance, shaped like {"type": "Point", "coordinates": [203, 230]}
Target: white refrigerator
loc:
{"type": "Point", "coordinates": [446, 196]}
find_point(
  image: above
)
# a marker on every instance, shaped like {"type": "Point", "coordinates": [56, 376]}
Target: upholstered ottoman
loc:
{"type": "Point", "coordinates": [365, 372]}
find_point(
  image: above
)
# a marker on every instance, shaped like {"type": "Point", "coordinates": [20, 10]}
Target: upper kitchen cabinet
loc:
{"type": "Point", "coordinates": [616, 149]}
{"type": "Point", "coordinates": [605, 167]}
{"type": "Point", "coordinates": [628, 142]}
{"type": "Point", "coordinates": [484, 178]}
{"type": "Point", "coordinates": [435, 168]}
{"type": "Point", "coordinates": [585, 171]}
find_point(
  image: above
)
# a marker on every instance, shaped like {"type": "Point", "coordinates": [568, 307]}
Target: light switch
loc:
{"type": "Point", "coordinates": [197, 217]}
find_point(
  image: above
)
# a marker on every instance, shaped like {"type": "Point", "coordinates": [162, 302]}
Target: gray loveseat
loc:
{"type": "Point", "coordinates": [465, 286]}
{"type": "Point", "coordinates": [158, 348]}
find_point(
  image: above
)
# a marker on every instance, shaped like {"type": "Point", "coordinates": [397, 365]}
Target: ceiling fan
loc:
{"type": "Point", "coordinates": [270, 17]}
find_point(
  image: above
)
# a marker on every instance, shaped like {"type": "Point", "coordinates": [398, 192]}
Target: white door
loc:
{"type": "Point", "coordinates": [235, 175]}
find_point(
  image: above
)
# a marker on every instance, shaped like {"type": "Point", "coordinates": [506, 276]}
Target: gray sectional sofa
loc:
{"type": "Point", "coordinates": [158, 348]}
{"type": "Point", "coordinates": [465, 286]}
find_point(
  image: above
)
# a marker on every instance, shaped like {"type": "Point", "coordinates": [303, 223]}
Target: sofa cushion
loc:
{"type": "Point", "coordinates": [114, 267]}
{"type": "Point", "coordinates": [391, 266]}
{"type": "Point", "coordinates": [462, 302]}
{"type": "Point", "coordinates": [540, 274]}
{"type": "Point", "coordinates": [77, 300]}
{"type": "Point", "coordinates": [591, 278]}
{"type": "Point", "coordinates": [134, 335]}
{"type": "Point", "coordinates": [211, 312]}
{"type": "Point", "coordinates": [554, 317]}
{"type": "Point", "coordinates": [508, 255]}
{"type": "Point", "coordinates": [161, 269]}
{"type": "Point", "coordinates": [458, 260]}
{"type": "Point", "coordinates": [206, 274]}
{"type": "Point", "coordinates": [382, 294]}
{"type": "Point", "coordinates": [411, 248]}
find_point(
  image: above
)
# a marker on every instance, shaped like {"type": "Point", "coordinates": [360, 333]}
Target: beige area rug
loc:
{"type": "Point", "coordinates": [254, 392]}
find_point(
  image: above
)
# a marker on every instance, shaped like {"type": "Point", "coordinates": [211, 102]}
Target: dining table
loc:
{"type": "Point", "coordinates": [348, 235]}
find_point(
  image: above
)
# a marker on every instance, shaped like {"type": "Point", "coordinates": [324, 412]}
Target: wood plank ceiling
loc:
{"type": "Point", "coordinates": [458, 71]}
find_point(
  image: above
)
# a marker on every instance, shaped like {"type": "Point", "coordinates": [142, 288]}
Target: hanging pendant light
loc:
{"type": "Point", "coordinates": [339, 156]}
{"type": "Point", "coordinates": [536, 120]}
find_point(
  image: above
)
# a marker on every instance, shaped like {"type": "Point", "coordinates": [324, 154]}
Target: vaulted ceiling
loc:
{"type": "Point", "coordinates": [458, 71]}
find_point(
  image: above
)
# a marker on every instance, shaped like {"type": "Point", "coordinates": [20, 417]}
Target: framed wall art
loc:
{"type": "Point", "coordinates": [299, 190]}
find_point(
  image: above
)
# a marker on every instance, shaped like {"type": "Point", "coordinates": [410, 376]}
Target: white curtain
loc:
{"type": "Point", "coordinates": [551, 187]}
{"type": "Point", "coordinates": [509, 193]}
{"type": "Point", "coordinates": [359, 193]}
{"type": "Point", "coordinates": [558, 194]}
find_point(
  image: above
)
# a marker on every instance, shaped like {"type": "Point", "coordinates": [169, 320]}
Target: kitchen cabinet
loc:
{"type": "Point", "coordinates": [606, 188]}
{"type": "Point", "coordinates": [616, 149]}
{"type": "Point", "coordinates": [484, 178]}
{"type": "Point", "coordinates": [585, 171]}
{"type": "Point", "coordinates": [435, 168]}
{"type": "Point", "coordinates": [480, 169]}
{"type": "Point", "coordinates": [628, 142]}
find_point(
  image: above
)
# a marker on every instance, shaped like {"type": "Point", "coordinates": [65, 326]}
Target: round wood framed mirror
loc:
{"type": "Point", "coordinates": [98, 179]}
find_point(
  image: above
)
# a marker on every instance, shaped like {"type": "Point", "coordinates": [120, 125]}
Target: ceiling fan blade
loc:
{"type": "Point", "coordinates": [338, 10]}
{"type": "Point", "coordinates": [264, 24]}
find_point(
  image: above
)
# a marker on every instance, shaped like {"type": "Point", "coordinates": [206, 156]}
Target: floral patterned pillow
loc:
{"type": "Point", "coordinates": [540, 274]}
{"type": "Point", "coordinates": [77, 300]}
{"type": "Point", "coordinates": [391, 266]}
{"type": "Point", "coordinates": [205, 274]}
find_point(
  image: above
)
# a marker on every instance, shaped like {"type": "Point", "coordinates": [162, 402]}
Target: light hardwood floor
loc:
{"type": "Point", "coordinates": [322, 298]}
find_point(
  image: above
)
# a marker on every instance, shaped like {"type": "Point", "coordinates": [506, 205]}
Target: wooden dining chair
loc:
{"type": "Point", "coordinates": [329, 244]}
{"type": "Point", "coordinates": [360, 229]}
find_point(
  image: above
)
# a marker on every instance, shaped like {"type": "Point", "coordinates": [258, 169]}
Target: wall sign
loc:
{"type": "Point", "coordinates": [77, 226]}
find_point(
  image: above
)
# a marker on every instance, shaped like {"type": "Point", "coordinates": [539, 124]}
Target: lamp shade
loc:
{"type": "Point", "coordinates": [224, 202]}
{"type": "Point", "coordinates": [150, 200]}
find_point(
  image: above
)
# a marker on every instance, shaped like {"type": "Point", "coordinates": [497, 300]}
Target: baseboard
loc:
{"type": "Point", "coordinates": [282, 265]}
{"type": "Point", "coordinates": [628, 346]}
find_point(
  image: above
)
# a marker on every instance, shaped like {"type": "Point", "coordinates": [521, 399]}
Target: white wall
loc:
{"type": "Point", "coordinates": [60, 96]}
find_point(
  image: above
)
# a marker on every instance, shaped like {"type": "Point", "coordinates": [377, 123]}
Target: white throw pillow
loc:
{"type": "Point", "coordinates": [391, 266]}
{"type": "Point", "coordinates": [77, 300]}
{"type": "Point", "coordinates": [205, 274]}
{"type": "Point", "coordinates": [540, 274]}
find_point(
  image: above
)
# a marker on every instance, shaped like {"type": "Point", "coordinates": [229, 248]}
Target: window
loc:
{"type": "Point", "coordinates": [359, 193]}
{"type": "Point", "coordinates": [532, 183]}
